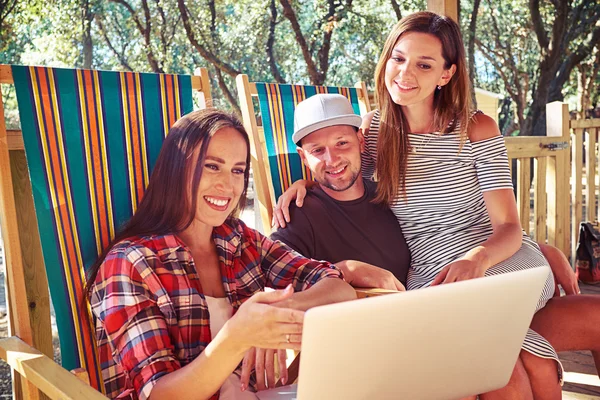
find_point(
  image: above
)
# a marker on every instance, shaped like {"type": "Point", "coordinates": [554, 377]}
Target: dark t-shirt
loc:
{"type": "Point", "coordinates": [331, 230]}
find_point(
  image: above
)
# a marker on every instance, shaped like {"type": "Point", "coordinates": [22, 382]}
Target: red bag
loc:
{"type": "Point", "coordinates": [587, 259]}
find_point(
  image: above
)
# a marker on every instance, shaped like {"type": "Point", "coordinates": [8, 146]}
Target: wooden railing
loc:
{"type": "Point", "coordinates": [565, 174]}
{"type": "Point", "coordinates": [584, 153]}
{"type": "Point", "coordinates": [550, 155]}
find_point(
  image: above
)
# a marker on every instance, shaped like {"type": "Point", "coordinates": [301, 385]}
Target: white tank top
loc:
{"type": "Point", "coordinates": [220, 311]}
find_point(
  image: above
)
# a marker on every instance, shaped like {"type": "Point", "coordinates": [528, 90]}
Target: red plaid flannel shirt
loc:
{"type": "Point", "coordinates": [151, 318]}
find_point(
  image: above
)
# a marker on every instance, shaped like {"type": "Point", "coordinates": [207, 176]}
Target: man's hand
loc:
{"type": "Point", "coordinates": [360, 274]}
{"type": "Point", "coordinates": [263, 360]}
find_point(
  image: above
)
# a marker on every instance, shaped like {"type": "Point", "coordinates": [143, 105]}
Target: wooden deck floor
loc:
{"type": "Point", "coordinates": [581, 379]}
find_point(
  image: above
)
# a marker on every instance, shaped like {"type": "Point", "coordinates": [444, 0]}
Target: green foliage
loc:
{"type": "Point", "coordinates": [236, 34]}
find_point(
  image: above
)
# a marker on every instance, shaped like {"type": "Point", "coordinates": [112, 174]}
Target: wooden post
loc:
{"type": "Point", "coordinates": [16, 278]}
{"type": "Point", "coordinates": [576, 187]}
{"type": "Point", "coordinates": [201, 83]}
{"type": "Point", "coordinates": [363, 98]}
{"type": "Point", "coordinates": [523, 192]}
{"type": "Point", "coordinates": [557, 125]}
{"type": "Point", "coordinates": [262, 190]}
{"type": "Point", "coordinates": [539, 200]}
{"type": "Point", "coordinates": [590, 173]}
{"type": "Point", "coordinates": [448, 8]}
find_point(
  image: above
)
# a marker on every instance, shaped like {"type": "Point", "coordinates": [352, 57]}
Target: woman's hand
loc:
{"type": "Point", "coordinates": [281, 211]}
{"type": "Point", "coordinates": [262, 326]}
{"type": "Point", "coordinates": [563, 273]}
{"type": "Point", "coordinates": [263, 360]}
{"type": "Point", "coordinates": [459, 270]}
{"type": "Point", "coordinates": [257, 323]}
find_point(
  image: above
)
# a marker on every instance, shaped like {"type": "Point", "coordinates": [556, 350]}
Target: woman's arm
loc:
{"type": "Point", "coordinates": [502, 210]}
{"type": "Point", "coordinates": [282, 266]}
{"type": "Point", "coordinates": [256, 323]}
{"type": "Point", "coordinates": [125, 305]}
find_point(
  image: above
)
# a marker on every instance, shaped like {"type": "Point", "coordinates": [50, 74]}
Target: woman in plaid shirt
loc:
{"type": "Point", "coordinates": [182, 255]}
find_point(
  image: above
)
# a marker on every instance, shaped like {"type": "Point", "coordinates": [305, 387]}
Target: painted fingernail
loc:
{"type": "Point", "coordinates": [243, 387]}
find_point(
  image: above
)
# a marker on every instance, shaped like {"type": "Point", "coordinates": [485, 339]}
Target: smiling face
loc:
{"type": "Point", "coordinates": [333, 156]}
{"type": "Point", "coordinates": [222, 180]}
{"type": "Point", "coordinates": [415, 68]}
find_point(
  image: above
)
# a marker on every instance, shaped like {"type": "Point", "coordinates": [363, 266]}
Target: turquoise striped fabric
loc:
{"type": "Point", "coordinates": [91, 139]}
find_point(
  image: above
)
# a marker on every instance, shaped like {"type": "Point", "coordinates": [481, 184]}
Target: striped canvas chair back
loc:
{"type": "Point", "coordinates": [278, 155]}
{"type": "Point", "coordinates": [91, 140]}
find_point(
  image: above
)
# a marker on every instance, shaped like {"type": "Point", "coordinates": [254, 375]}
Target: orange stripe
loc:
{"type": "Point", "coordinates": [276, 128]}
{"type": "Point", "coordinates": [96, 157]}
{"type": "Point", "coordinates": [170, 102]}
{"type": "Point", "coordinates": [56, 168]}
{"type": "Point", "coordinates": [281, 156]}
{"type": "Point", "coordinates": [135, 138]}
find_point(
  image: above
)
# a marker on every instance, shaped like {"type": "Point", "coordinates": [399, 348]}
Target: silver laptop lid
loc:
{"type": "Point", "coordinates": [445, 342]}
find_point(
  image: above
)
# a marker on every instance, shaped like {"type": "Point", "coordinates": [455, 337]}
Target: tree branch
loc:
{"type": "Point", "coordinates": [112, 48]}
{"type": "Point", "coordinates": [270, 43]}
{"type": "Point", "coordinates": [564, 70]}
{"type": "Point", "coordinates": [228, 95]}
{"type": "Point", "coordinates": [145, 31]}
{"type": "Point", "coordinates": [289, 13]}
{"type": "Point", "coordinates": [204, 52]}
{"type": "Point", "coordinates": [396, 8]}
{"type": "Point", "coordinates": [471, 48]}
{"type": "Point", "coordinates": [538, 25]}
{"type": "Point", "coordinates": [510, 83]}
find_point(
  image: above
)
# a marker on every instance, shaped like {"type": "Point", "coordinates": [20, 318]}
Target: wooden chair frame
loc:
{"type": "Point", "coordinates": [29, 350]}
{"type": "Point", "coordinates": [263, 187]}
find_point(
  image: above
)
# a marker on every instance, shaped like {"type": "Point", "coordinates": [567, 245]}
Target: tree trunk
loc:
{"type": "Point", "coordinates": [88, 46]}
{"type": "Point", "coordinates": [471, 49]}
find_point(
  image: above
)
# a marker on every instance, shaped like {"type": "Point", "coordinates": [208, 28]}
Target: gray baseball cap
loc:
{"type": "Point", "coordinates": [322, 111]}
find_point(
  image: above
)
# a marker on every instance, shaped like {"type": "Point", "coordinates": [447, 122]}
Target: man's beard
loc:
{"type": "Point", "coordinates": [325, 182]}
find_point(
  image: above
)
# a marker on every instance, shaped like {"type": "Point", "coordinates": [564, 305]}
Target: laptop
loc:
{"type": "Point", "coordinates": [444, 342]}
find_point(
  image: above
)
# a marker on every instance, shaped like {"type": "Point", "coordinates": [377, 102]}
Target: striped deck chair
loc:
{"type": "Point", "coordinates": [275, 162]}
{"type": "Point", "coordinates": [91, 139]}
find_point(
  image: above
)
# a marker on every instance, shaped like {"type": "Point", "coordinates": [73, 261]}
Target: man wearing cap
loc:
{"type": "Point", "coordinates": [338, 220]}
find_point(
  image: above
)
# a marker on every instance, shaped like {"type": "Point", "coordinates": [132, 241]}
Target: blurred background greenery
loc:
{"type": "Point", "coordinates": [528, 52]}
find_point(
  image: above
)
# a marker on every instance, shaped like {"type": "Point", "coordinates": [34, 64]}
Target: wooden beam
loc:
{"type": "Point", "coordinates": [363, 98]}
{"type": "Point", "coordinates": [263, 187]}
{"type": "Point", "coordinates": [18, 306]}
{"type": "Point", "coordinates": [6, 75]}
{"type": "Point", "coordinates": [585, 123]}
{"type": "Point", "coordinates": [557, 123]}
{"type": "Point", "coordinates": [448, 8]}
{"type": "Point", "coordinates": [576, 187]}
{"type": "Point", "coordinates": [43, 373]}
{"type": "Point", "coordinates": [38, 297]}
{"type": "Point", "coordinates": [590, 174]}
{"type": "Point", "coordinates": [540, 198]}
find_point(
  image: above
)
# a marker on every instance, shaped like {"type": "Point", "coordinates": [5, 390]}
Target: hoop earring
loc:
{"type": "Point", "coordinates": [439, 87]}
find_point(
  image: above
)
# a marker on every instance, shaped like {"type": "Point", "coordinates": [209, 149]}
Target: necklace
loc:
{"type": "Point", "coordinates": [421, 146]}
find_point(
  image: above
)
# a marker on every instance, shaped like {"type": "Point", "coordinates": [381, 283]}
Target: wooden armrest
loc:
{"type": "Point", "coordinates": [362, 293]}
{"type": "Point", "coordinates": [44, 373]}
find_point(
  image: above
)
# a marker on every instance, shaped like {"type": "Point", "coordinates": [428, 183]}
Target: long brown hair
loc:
{"type": "Point", "coordinates": [452, 104]}
{"type": "Point", "coordinates": [166, 206]}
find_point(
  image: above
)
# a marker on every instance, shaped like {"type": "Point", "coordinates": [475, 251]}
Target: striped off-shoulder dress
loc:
{"type": "Point", "coordinates": [444, 215]}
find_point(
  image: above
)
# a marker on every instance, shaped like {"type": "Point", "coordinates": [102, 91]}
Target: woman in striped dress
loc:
{"type": "Point", "coordinates": [444, 173]}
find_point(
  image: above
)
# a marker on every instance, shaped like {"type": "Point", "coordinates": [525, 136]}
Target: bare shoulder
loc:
{"type": "Point", "coordinates": [482, 127]}
{"type": "Point", "coordinates": [366, 122]}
